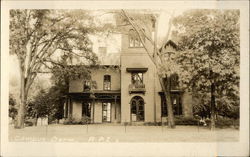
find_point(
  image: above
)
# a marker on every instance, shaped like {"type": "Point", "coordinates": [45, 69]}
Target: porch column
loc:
{"type": "Point", "coordinates": [115, 108]}
{"type": "Point", "coordinates": [69, 104]}
{"type": "Point", "coordinates": [93, 111]}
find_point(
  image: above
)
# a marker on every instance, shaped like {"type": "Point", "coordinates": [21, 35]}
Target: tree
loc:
{"type": "Point", "coordinates": [47, 104]}
{"type": "Point", "coordinates": [210, 57]}
{"type": "Point", "coordinates": [140, 21]}
{"type": "Point", "coordinates": [38, 107]}
{"type": "Point", "coordinates": [37, 37]}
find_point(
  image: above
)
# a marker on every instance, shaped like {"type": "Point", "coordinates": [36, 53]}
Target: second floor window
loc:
{"type": "Point", "coordinates": [87, 86]}
{"type": "Point", "coordinates": [107, 82]}
{"type": "Point", "coordinates": [137, 78]}
{"type": "Point", "coordinates": [134, 40]}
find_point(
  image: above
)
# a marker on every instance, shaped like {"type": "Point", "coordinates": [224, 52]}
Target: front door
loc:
{"type": "Point", "coordinates": [137, 109]}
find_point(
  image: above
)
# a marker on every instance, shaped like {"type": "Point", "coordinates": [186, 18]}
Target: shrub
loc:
{"type": "Point", "coordinates": [69, 121]}
{"type": "Point", "coordinates": [186, 121]}
{"type": "Point", "coordinates": [226, 122]}
{"type": "Point", "coordinates": [28, 123]}
{"type": "Point", "coordinates": [152, 123]}
{"type": "Point", "coordinates": [73, 121]}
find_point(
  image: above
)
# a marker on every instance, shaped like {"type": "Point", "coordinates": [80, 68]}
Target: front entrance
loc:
{"type": "Point", "coordinates": [137, 109]}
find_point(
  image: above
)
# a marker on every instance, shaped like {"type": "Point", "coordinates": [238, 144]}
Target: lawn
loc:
{"type": "Point", "coordinates": [119, 133]}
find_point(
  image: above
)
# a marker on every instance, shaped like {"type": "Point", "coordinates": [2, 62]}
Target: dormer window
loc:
{"type": "Point", "coordinates": [134, 40]}
{"type": "Point", "coordinates": [107, 82]}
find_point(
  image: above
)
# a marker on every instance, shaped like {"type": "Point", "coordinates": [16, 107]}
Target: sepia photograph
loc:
{"type": "Point", "coordinates": [124, 75]}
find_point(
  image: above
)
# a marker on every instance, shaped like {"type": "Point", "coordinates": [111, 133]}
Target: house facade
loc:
{"type": "Point", "coordinates": [126, 92]}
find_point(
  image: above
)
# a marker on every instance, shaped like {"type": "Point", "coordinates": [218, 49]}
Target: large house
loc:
{"type": "Point", "coordinates": [128, 91]}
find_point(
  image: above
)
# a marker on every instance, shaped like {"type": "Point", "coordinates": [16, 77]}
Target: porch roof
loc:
{"type": "Point", "coordinates": [96, 94]}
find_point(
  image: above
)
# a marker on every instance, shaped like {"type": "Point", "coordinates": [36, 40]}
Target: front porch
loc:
{"type": "Point", "coordinates": [94, 106]}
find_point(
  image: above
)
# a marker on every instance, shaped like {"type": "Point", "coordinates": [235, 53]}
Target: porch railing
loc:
{"type": "Point", "coordinates": [137, 88]}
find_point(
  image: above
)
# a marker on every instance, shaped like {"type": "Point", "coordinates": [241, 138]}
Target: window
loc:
{"type": "Point", "coordinates": [137, 78]}
{"type": "Point", "coordinates": [134, 40]}
{"type": "Point", "coordinates": [87, 86]}
{"type": "Point", "coordinates": [176, 103]}
{"type": "Point", "coordinates": [137, 109]}
{"type": "Point", "coordinates": [106, 112]}
{"type": "Point", "coordinates": [107, 82]}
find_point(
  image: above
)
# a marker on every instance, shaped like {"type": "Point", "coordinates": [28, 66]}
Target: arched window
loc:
{"type": "Point", "coordinates": [137, 109]}
{"type": "Point", "coordinates": [107, 82]}
{"type": "Point", "coordinates": [134, 40]}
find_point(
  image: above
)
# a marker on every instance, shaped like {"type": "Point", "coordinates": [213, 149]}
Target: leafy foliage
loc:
{"type": "Point", "coordinates": [47, 104]}
{"type": "Point", "coordinates": [209, 40]}
{"type": "Point", "coordinates": [12, 107]}
{"type": "Point", "coordinates": [39, 37]}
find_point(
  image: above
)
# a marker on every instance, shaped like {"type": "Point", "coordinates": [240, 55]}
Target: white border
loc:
{"type": "Point", "coordinates": [240, 148]}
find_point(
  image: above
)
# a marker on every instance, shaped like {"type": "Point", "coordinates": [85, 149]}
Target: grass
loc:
{"type": "Point", "coordinates": [120, 133]}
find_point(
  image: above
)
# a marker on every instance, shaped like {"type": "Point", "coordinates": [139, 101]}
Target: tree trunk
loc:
{"type": "Point", "coordinates": [22, 106]}
{"type": "Point", "coordinates": [167, 93]}
{"type": "Point", "coordinates": [212, 106]}
{"type": "Point", "coordinates": [36, 119]}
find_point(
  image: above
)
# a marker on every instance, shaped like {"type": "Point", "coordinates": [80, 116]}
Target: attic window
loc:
{"type": "Point", "coordinates": [134, 40]}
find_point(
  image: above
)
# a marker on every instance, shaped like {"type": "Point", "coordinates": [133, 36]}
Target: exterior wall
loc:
{"type": "Point", "coordinates": [98, 112]}
{"type": "Point", "coordinates": [125, 40]}
{"type": "Point", "coordinates": [137, 57]}
{"type": "Point", "coordinates": [98, 76]}
{"type": "Point", "coordinates": [115, 112]}
{"type": "Point", "coordinates": [149, 79]}
{"type": "Point", "coordinates": [77, 109]}
{"type": "Point", "coordinates": [126, 49]}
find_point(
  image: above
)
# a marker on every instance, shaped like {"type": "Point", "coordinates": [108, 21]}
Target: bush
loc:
{"type": "Point", "coordinates": [226, 122]}
{"type": "Point", "coordinates": [73, 121]}
{"type": "Point", "coordinates": [186, 121]}
{"type": "Point", "coordinates": [152, 124]}
{"type": "Point", "coordinates": [28, 123]}
{"type": "Point", "coordinates": [179, 120]}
